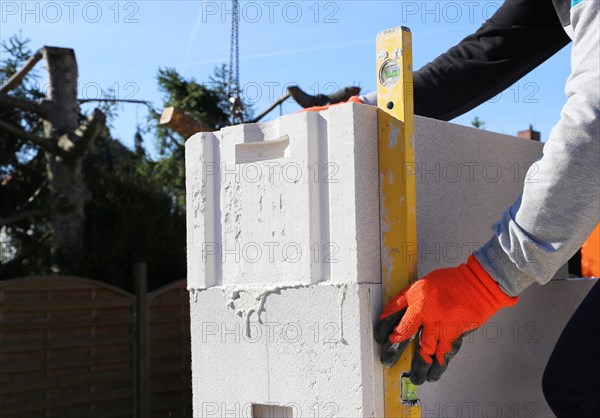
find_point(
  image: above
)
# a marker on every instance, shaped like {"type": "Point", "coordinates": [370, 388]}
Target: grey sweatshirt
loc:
{"type": "Point", "coordinates": [558, 210]}
{"type": "Point", "coordinates": [560, 204]}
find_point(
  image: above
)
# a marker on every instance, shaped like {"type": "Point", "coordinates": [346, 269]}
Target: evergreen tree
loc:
{"type": "Point", "coordinates": [478, 123]}
{"type": "Point", "coordinates": [207, 103]}
{"type": "Point", "coordinates": [130, 213]}
{"type": "Point", "coordinates": [136, 205]}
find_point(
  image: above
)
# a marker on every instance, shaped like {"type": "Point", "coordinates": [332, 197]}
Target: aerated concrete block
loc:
{"type": "Point", "coordinates": [293, 201]}
{"type": "Point", "coordinates": [312, 352]}
{"type": "Point", "coordinates": [284, 267]}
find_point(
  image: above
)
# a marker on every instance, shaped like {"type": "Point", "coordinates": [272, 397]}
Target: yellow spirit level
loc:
{"type": "Point", "coordinates": [397, 191]}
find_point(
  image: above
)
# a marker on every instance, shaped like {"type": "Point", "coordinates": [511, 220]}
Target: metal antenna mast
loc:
{"type": "Point", "coordinates": [235, 103]}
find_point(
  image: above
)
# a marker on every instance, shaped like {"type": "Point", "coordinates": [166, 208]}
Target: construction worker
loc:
{"type": "Point", "coordinates": [543, 228]}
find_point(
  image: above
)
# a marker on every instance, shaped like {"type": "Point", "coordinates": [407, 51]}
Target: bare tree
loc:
{"type": "Point", "coordinates": [64, 141]}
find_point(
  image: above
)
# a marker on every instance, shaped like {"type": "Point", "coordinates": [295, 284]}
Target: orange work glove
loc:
{"type": "Point", "coordinates": [353, 99]}
{"type": "Point", "coordinates": [444, 306]}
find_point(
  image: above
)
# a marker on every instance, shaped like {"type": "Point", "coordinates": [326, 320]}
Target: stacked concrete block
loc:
{"type": "Point", "coordinates": [284, 202]}
{"type": "Point", "coordinates": [284, 267]}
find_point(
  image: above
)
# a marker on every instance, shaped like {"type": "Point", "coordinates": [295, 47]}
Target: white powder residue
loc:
{"type": "Point", "coordinates": [246, 301]}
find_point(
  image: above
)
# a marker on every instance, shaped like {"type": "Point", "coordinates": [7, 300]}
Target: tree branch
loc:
{"type": "Point", "coordinates": [175, 141]}
{"type": "Point", "coordinates": [16, 217]}
{"type": "Point", "coordinates": [23, 104]}
{"type": "Point", "coordinates": [270, 108]}
{"type": "Point", "coordinates": [33, 196]}
{"type": "Point", "coordinates": [29, 253]}
{"type": "Point", "coordinates": [144, 102]}
{"type": "Point", "coordinates": [181, 123]}
{"type": "Point", "coordinates": [16, 78]}
{"type": "Point", "coordinates": [75, 143]}
{"type": "Point", "coordinates": [7, 127]}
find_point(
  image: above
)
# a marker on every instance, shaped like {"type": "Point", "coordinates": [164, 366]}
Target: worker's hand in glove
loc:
{"type": "Point", "coordinates": [441, 307]}
{"type": "Point", "coordinates": [353, 99]}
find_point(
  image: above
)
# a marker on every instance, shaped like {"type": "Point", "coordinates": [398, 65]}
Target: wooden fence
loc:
{"type": "Point", "coordinates": [74, 347]}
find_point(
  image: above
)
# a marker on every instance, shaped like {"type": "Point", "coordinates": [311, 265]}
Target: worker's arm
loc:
{"type": "Point", "coordinates": [558, 209]}
{"type": "Point", "coordinates": [516, 39]}
{"type": "Point", "coordinates": [560, 204]}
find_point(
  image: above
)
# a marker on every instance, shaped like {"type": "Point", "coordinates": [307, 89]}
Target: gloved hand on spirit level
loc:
{"type": "Point", "coordinates": [442, 307]}
{"type": "Point", "coordinates": [353, 99]}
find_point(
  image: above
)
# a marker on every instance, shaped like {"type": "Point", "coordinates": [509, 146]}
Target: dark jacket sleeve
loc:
{"type": "Point", "coordinates": [517, 38]}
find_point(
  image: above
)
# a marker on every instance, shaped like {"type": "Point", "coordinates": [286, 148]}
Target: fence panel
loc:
{"type": "Point", "coordinates": [69, 348]}
{"type": "Point", "coordinates": [170, 352]}
{"type": "Point", "coordinates": [65, 348]}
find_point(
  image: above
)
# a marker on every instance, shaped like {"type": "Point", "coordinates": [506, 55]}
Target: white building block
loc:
{"type": "Point", "coordinates": [202, 211]}
{"type": "Point", "coordinates": [276, 332]}
{"type": "Point", "coordinates": [465, 179]}
{"type": "Point", "coordinates": [293, 201]}
{"type": "Point", "coordinates": [314, 353]}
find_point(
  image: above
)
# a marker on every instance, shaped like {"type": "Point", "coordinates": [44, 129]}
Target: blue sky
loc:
{"type": "Point", "coordinates": [319, 45]}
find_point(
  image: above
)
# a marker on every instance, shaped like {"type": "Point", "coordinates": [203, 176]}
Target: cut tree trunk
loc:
{"type": "Point", "coordinates": [64, 142]}
{"type": "Point", "coordinates": [65, 173]}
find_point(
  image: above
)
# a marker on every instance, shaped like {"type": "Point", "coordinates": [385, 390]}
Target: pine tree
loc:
{"type": "Point", "coordinates": [478, 123]}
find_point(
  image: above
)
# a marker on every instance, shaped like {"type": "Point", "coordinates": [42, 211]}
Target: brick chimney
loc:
{"type": "Point", "coordinates": [529, 134]}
